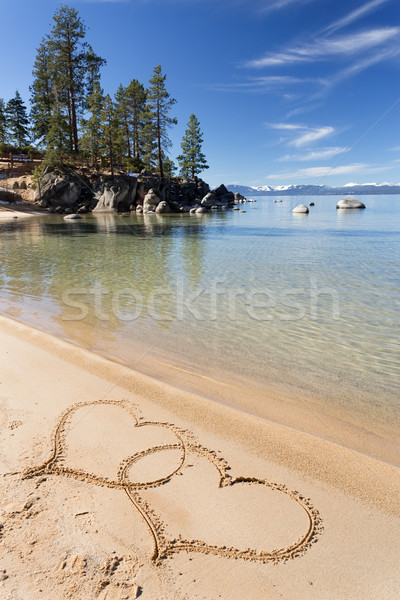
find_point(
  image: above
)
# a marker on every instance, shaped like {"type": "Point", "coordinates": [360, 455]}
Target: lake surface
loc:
{"type": "Point", "coordinates": [309, 302]}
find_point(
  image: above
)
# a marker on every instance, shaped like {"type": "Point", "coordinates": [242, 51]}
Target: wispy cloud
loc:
{"type": "Point", "coordinates": [304, 135]}
{"type": "Point", "coordinates": [318, 172]}
{"type": "Point", "coordinates": [325, 48]}
{"type": "Point", "coordinates": [275, 5]}
{"type": "Point", "coordinates": [361, 65]}
{"type": "Point", "coordinates": [319, 154]}
{"type": "Point", "coordinates": [269, 82]}
{"type": "Point", "coordinates": [355, 15]}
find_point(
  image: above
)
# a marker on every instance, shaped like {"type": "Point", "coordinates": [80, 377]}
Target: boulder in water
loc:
{"type": "Point", "coordinates": [349, 203]}
{"type": "Point", "coordinates": [300, 209]}
{"type": "Point", "coordinates": [71, 217]}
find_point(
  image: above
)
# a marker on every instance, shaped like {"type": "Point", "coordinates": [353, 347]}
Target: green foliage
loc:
{"type": "Point", "coordinates": [71, 118]}
{"type": "Point", "coordinates": [169, 167]}
{"type": "Point", "coordinates": [91, 139]}
{"type": "Point", "coordinates": [133, 165]}
{"type": "Point", "coordinates": [66, 75]}
{"type": "Point", "coordinates": [192, 160]}
{"type": "Point", "coordinates": [159, 104]}
{"type": "Point", "coordinates": [17, 121]}
{"type": "Point", "coordinates": [42, 97]}
{"type": "Point", "coordinates": [130, 105]}
{"type": "Point", "coordinates": [109, 131]}
{"type": "Point", "coordinates": [3, 122]}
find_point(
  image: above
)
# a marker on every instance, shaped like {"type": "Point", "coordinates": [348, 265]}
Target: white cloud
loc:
{"type": "Point", "coordinates": [280, 4]}
{"type": "Point", "coordinates": [320, 172]}
{"type": "Point", "coordinates": [312, 136]}
{"type": "Point", "coordinates": [304, 135]}
{"type": "Point", "coordinates": [285, 126]}
{"type": "Point", "coordinates": [325, 48]}
{"type": "Point", "coordinates": [319, 154]}
{"type": "Point", "coordinates": [255, 84]}
{"type": "Point", "coordinates": [355, 15]}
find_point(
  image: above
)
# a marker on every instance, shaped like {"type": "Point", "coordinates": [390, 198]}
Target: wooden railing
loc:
{"type": "Point", "coordinates": [20, 158]}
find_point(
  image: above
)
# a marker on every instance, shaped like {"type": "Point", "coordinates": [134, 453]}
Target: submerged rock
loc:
{"type": "Point", "coordinates": [71, 217]}
{"type": "Point", "coordinates": [350, 203]}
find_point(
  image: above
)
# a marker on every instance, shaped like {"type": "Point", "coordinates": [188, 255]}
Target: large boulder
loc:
{"type": "Point", "coordinates": [115, 195]}
{"type": "Point", "coordinates": [301, 209]}
{"type": "Point", "coordinates": [145, 183]}
{"type": "Point", "coordinates": [59, 189]}
{"type": "Point", "coordinates": [209, 200]}
{"type": "Point", "coordinates": [202, 188]}
{"type": "Point", "coordinates": [163, 207]}
{"type": "Point", "coordinates": [348, 203]}
{"type": "Point", "coordinates": [151, 201]}
{"type": "Point", "coordinates": [188, 188]}
{"type": "Point", "coordinates": [221, 190]}
{"type": "Point", "coordinates": [226, 199]}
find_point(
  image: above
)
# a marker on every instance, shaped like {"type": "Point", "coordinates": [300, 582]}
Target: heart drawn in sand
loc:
{"type": "Point", "coordinates": [151, 454]}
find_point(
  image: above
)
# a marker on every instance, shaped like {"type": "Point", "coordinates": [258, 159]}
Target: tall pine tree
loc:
{"type": "Point", "coordinates": [159, 104]}
{"type": "Point", "coordinates": [3, 122]}
{"type": "Point", "coordinates": [42, 96]}
{"type": "Point", "coordinates": [91, 139]}
{"type": "Point", "coordinates": [66, 73]}
{"type": "Point", "coordinates": [136, 101]}
{"type": "Point", "coordinates": [192, 160]}
{"type": "Point", "coordinates": [17, 121]}
{"type": "Point", "coordinates": [109, 130]}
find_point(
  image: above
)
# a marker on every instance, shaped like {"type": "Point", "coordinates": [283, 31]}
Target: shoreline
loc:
{"type": "Point", "coordinates": [243, 486]}
{"type": "Point", "coordinates": [277, 401]}
{"type": "Point", "coordinates": [217, 417]}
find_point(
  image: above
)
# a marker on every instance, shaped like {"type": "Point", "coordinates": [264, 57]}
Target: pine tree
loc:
{"type": "Point", "coordinates": [192, 160]}
{"type": "Point", "coordinates": [122, 116]}
{"type": "Point", "coordinates": [149, 138]}
{"type": "Point", "coordinates": [66, 72]}
{"type": "Point", "coordinates": [71, 57]}
{"type": "Point", "coordinates": [42, 97]}
{"type": "Point", "coordinates": [17, 121]}
{"type": "Point", "coordinates": [91, 140]}
{"type": "Point", "coordinates": [57, 138]}
{"type": "Point", "coordinates": [159, 104]}
{"type": "Point", "coordinates": [136, 101]}
{"type": "Point", "coordinates": [3, 122]}
{"type": "Point", "coordinates": [109, 130]}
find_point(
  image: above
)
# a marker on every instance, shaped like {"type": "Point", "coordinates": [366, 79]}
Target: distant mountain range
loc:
{"type": "Point", "coordinates": [316, 190]}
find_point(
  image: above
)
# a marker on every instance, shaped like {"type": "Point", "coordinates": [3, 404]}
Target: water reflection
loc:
{"type": "Point", "coordinates": [118, 283]}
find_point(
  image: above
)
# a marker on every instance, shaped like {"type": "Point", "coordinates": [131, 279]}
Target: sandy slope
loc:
{"type": "Point", "coordinates": [117, 486]}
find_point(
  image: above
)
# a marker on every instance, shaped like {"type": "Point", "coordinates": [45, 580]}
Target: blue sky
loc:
{"type": "Point", "coordinates": [286, 91]}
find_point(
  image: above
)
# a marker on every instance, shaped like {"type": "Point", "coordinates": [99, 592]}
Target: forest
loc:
{"type": "Point", "coordinates": [72, 121]}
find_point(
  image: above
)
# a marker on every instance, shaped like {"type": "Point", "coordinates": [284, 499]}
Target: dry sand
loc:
{"type": "Point", "coordinates": [117, 486]}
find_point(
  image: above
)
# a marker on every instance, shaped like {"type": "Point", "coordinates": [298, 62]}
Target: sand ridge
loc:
{"type": "Point", "coordinates": [163, 546]}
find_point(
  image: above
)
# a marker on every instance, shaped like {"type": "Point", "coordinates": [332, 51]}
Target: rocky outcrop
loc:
{"type": "Point", "coordinates": [151, 201]}
{"type": "Point", "coordinates": [73, 192]}
{"type": "Point", "coordinates": [348, 203]}
{"type": "Point", "coordinates": [61, 189]}
{"type": "Point", "coordinates": [116, 194]}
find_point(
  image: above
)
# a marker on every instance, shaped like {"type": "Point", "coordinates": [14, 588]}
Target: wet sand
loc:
{"type": "Point", "coordinates": [119, 485]}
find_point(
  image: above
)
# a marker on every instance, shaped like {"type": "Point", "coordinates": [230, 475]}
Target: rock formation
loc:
{"type": "Point", "coordinates": [72, 192]}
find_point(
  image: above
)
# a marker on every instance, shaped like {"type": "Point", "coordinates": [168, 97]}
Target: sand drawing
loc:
{"type": "Point", "coordinates": [163, 546]}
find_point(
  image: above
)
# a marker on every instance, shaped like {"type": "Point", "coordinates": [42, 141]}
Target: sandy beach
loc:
{"type": "Point", "coordinates": [116, 485]}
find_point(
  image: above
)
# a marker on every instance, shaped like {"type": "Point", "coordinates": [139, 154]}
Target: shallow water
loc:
{"type": "Point", "coordinates": [306, 301]}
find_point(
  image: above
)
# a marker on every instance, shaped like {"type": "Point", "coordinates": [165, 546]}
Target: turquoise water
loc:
{"type": "Point", "coordinates": [306, 301]}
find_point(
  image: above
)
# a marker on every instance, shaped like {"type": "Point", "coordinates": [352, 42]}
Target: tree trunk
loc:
{"type": "Point", "coordinates": [160, 165]}
{"type": "Point", "coordinates": [73, 105]}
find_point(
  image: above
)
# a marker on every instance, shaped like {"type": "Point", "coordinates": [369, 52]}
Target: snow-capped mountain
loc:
{"type": "Point", "coordinates": [316, 190]}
